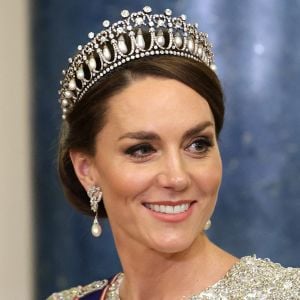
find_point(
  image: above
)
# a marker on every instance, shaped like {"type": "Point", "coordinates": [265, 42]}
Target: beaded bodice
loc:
{"type": "Point", "coordinates": [250, 278]}
{"type": "Point", "coordinates": [254, 278]}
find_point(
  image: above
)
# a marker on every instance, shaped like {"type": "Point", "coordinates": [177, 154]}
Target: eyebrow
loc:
{"type": "Point", "coordinates": [150, 136]}
{"type": "Point", "coordinates": [197, 129]}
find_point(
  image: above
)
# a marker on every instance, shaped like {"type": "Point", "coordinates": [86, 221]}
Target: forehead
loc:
{"type": "Point", "coordinates": [154, 99]}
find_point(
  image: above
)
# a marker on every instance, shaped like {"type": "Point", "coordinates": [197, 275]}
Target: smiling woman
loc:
{"type": "Point", "coordinates": [140, 132]}
{"type": "Point", "coordinates": [196, 76]}
{"type": "Point", "coordinates": [141, 164]}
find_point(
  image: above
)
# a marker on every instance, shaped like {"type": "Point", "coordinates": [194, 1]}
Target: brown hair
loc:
{"type": "Point", "coordinates": [88, 117]}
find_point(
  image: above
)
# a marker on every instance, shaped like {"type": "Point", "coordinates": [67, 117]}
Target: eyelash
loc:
{"type": "Point", "coordinates": [205, 144]}
{"type": "Point", "coordinates": [133, 151]}
{"type": "Point", "coordinates": [146, 149]}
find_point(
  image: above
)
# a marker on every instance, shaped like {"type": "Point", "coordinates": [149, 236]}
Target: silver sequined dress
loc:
{"type": "Point", "coordinates": [250, 278]}
{"type": "Point", "coordinates": [254, 278]}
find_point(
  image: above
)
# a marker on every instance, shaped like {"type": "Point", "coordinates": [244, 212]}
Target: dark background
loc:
{"type": "Point", "coordinates": [257, 50]}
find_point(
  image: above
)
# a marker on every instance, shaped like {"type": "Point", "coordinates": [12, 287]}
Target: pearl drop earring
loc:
{"type": "Point", "coordinates": [207, 225]}
{"type": "Point", "coordinates": [95, 195]}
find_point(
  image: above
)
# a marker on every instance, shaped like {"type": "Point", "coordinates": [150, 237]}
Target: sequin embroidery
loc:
{"type": "Point", "coordinates": [250, 278]}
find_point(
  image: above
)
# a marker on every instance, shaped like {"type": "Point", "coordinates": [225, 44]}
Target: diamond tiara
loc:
{"type": "Point", "coordinates": [138, 34]}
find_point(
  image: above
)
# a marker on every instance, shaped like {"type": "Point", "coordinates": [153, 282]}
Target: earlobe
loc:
{"type": "Point", "coordinates": [82, 164]}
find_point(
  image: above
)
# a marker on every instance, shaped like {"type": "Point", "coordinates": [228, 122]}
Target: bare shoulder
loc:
{"type": "Point", "coordinates": [79, 292]}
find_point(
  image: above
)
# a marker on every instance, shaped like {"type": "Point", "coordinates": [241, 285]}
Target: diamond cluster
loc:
{"type": "Point", "coordinates": [124, 41]}
{"type": "Point", "coordinates": [95, 195]}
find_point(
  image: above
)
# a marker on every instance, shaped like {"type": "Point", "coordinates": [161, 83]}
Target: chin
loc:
{"type": "Point", "coordinates": [172, 245]}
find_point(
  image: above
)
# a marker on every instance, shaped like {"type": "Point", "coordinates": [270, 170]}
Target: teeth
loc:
{"type": "Point", "coordinates": [162, 208]}
{"type": "Point", "coordinates": [168, 209]}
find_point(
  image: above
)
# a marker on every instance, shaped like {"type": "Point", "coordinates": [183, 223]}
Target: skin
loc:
{"type": "Point", "coordinates": [159, 144]}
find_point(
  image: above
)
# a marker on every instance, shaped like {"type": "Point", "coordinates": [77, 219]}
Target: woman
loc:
{"type": "Point", "coordinates": [142, 110]}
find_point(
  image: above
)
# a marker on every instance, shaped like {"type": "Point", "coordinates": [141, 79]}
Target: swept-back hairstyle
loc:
{"type": "Point", "coordinates": [89, 116]}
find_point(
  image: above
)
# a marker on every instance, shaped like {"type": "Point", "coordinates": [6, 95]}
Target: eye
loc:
{"type": "Point", "coordinates": [200, 145]}
{"type": "Point", "coordinates": [140, 151]}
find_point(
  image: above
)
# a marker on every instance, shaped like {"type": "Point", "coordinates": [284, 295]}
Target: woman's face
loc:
{"type": "Point", "coordinates": [158, 164]}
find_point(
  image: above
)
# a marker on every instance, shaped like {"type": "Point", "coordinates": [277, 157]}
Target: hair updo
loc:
{"type": "Point", "coordinates": [88, 116]}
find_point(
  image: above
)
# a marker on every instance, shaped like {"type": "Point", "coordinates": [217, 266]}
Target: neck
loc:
{"type": "Point", "coordinates": [153, 275]}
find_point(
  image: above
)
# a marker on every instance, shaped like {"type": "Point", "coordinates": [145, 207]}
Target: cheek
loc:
{"type": "Point", "coordinates": [119, 182]}
{"type": "Point", "coordinates": [209, 179]}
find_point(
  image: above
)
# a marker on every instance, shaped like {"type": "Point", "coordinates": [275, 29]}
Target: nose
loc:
{"type": "Point", "coordinates": [174, 174]}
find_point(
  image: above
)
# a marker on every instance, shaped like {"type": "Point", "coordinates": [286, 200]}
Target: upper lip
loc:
{"type": "Point", "coordinates": [171, 203]}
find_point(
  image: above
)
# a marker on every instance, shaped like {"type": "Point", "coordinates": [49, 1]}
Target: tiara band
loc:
{"type": "Point", "coordinates": [124, 41]}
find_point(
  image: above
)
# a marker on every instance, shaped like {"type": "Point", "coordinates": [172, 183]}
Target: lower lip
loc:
{"type": "Point", "coordinates": [172, 218]}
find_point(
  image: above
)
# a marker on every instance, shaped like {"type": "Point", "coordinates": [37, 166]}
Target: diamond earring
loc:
{"type": "Point", "coordinates": [95, 195]}
{"type": "Point", "coordinates": [207, 225]}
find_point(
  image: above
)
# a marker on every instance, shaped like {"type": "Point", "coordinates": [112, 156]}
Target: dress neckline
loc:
{"type": "Point", "coordinates": [232, 270]}
{"type": "Point", "coordinates": [112, 291]}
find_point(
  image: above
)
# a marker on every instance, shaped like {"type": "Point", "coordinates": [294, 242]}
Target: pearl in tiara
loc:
{"type": "Point", "coordinates": [137, 35]}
